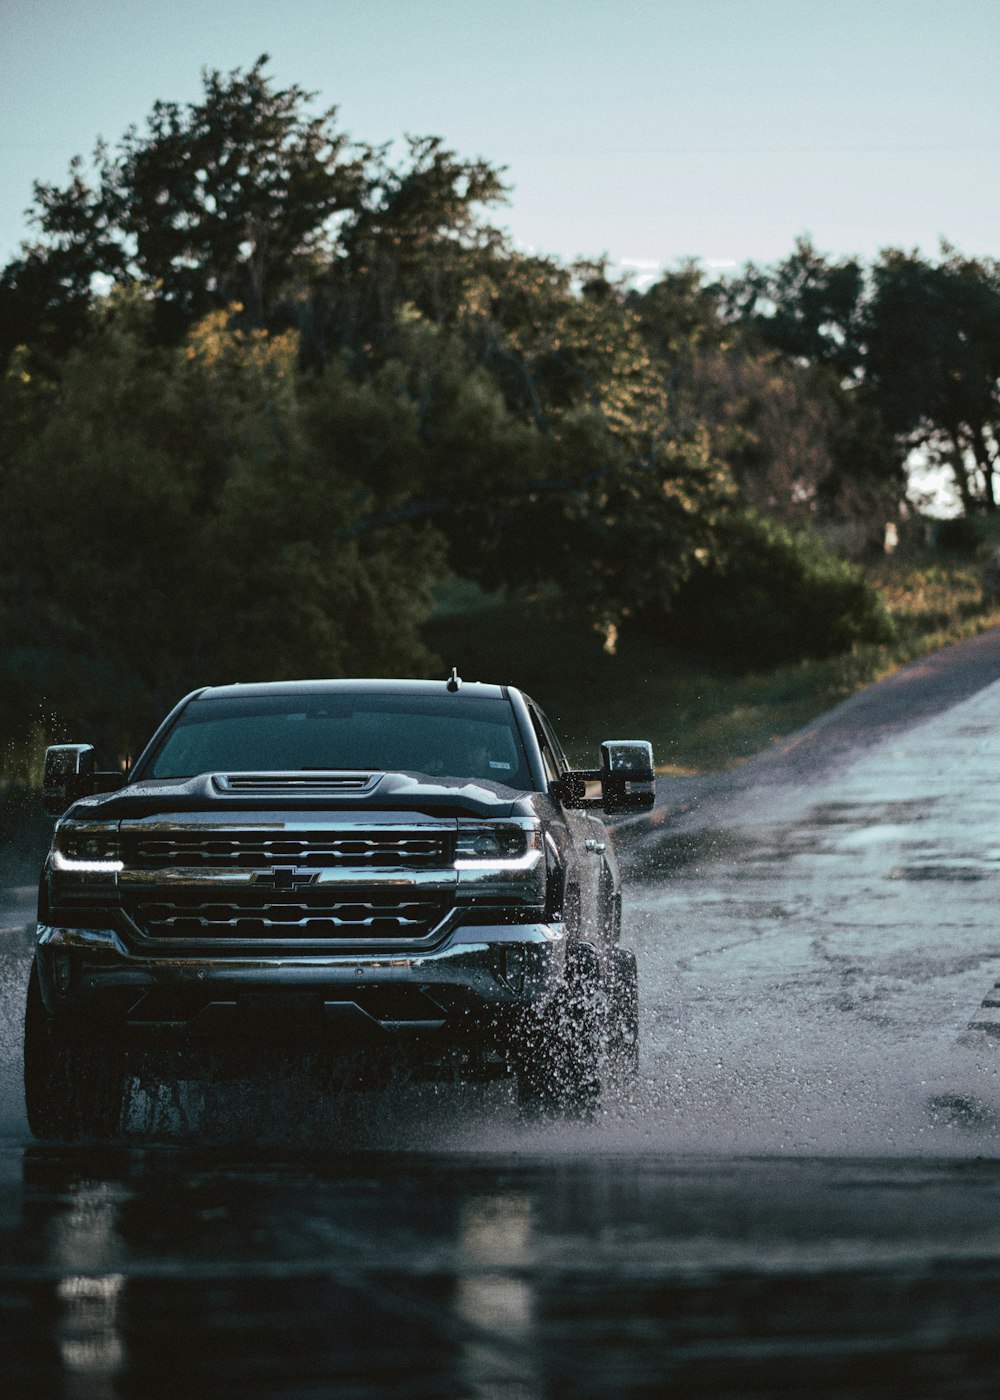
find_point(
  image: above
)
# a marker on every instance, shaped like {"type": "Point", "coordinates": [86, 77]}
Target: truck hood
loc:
{"type": "Point", "coordinates": [308, 792]}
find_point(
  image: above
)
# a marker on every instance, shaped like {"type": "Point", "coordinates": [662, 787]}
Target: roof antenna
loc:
{"type": "Point", "coordinates": [454, 680]}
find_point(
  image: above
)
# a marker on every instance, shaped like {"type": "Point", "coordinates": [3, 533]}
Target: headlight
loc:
{"type": "Point", "coordinates": [497, 847]}
{"type": "Point", "coordinates": [87, 850]}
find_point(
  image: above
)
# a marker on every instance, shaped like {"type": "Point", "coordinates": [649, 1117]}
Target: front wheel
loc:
{"type": "Point", "coordinates": [70, 1090]}
{"type": "Point", "coordinates": [560, 1056]}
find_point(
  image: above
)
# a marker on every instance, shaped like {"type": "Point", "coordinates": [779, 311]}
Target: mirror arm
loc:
{"type": "Point", "coordinates": [571, 788]}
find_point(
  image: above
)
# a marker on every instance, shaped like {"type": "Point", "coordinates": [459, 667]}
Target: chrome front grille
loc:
{"type": "Point", "coordinates": [359, 917]}
{"type": "Point", "coordinates": [377, 885]}
{"type": "Point", "coordinates": [228, 850]}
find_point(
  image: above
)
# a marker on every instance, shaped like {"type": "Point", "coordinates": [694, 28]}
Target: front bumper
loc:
{"type": "Point", "coordinates": [482, 976]}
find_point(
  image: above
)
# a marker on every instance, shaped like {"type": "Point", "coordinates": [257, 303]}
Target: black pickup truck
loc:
{"type": "Point", "coordinates": [335, 865]}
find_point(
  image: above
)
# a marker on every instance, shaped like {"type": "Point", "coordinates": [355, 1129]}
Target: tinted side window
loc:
{"type": "Point", "coordinates": [554, 744]}
{"type": "Point", "coordinates": [550, 752]}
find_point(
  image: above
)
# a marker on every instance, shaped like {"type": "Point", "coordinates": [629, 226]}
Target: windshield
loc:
{"type": "Point", "coordinates": [443, 736]}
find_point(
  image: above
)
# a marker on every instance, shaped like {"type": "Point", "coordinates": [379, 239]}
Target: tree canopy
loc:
{"type": "Point", "coordinates": [267, 387]}
{"type": "Point", "coordinates": [914, 344]}
{"type": "Point", "coordinates": [227, 200]}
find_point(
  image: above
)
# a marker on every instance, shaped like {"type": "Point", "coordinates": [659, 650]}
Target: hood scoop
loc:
{"type": "Point", "coordinates": [319, 783]}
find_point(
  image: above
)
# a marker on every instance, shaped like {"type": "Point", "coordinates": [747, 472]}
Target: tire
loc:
{"type": "Point", "coordinates": [623, 1020]}
{"type": "Point", "coordinates": [560, 1057]}
{"type": "Point", "coordinates": [71, 1091]}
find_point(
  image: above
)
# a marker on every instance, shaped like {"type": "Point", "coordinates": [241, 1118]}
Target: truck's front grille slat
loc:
{"type": "Point", "coordinates": [356, 920]}
{"type": "Point", "coordinates": [251, 850]}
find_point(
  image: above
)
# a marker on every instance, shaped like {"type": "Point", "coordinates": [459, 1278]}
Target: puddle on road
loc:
{"type": "Point", "coordinates": [871, 813]}
{"type": "Point", "coordinates": [940, 872]}
{"type": "Point", "coordinates": [689, 853]}
{"type": "Point", "coordinates": [742, 1069]}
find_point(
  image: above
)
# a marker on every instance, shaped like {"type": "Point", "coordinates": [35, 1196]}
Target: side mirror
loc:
{"type": "Point", "coordinates": [69, 775]}
{"type": "Point", "coordinates": [628, 782]}
{"type": "Point", "coordinates": [626, 776]}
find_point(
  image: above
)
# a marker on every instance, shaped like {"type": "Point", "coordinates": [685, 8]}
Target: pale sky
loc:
{"type": "Point", "coordinates": [715, 129]}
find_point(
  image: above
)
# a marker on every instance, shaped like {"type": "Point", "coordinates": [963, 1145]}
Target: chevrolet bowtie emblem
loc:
{"type": "Point", "coordinates": [286, 877]}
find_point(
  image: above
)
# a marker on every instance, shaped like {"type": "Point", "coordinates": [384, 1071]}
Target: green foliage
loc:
{"type": "Point", "coordinates": [807, 306]}
{"type": "Point", "coordinates": [322, 382]}
{"type": "Point", "coordinates": [768, 596]}
{"type": "Point", "coordinates": [189, 529]}
{"type": "Point", "coordinates": [415, 241]}
{"type": "Point", "coordinates": [253, 184]}
{"type": "Point", "coordinates": [249, 197]}
{"type": "Point", "coordinates": [680, 314]}
{"type": "Point", "coordinates": [765, 365]}
{"type": "Point", "coordinates": [934, 361]}
{"type": "Point", "coordinates": [220, 202]}
{"type": "Point", "coordinates": [914, 345]}
{"type": "Point", "coordinates": [700, 713]}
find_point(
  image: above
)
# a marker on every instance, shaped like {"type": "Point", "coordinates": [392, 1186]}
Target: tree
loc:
{"type": "Point", "coordinates": [933, 363]}
{"type": "Point", "coordinates": [816, 313]}
{"type": "Point", "coordinates": [225, 200]}
{"type": "Point", "coordinates": [250, 197]}
{"type": "Point", "coordinates": [800, 439]}
{"type": "Point", "coordinates": [416, 240]}
{"type": "Point", "coordinates": [808, 307]}
{"type": "Point", "coordinates": [322, 378]}
{"type": "Point", "coordinates": [189, 529]}
{"type": "Point", "coordinates": [767, 596]}
{"type": "Point", "coordinates": [46, 292]}
{"type": "Point", "coordinates": [605, 500]}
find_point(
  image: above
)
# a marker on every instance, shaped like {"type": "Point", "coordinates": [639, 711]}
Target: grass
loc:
{"type": "Point", "coordinates": [699, 715]}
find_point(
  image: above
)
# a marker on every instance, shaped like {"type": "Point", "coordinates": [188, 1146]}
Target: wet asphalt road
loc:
{"type": "Point", "coordinates": [804, 1198]}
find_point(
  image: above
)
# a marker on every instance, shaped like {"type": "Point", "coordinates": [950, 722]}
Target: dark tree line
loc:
{"type": "Point", "coordinates": [266, 387]}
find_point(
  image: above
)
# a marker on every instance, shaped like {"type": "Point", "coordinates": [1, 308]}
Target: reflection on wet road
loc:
{"type": "Point", "coordinates": [804, 1198]}
{"type": "Point", "coordinates": [163, 1272]}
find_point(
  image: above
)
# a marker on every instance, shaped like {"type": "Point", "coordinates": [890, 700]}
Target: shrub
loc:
{"type": "Point", "coordinates": [768, 596]}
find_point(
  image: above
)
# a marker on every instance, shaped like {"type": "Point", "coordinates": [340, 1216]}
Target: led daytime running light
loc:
{"type": "Point", "coordinates": [87, 850]}
{"type": "Point", "coordinates": [525, 862]}
{"type": "Point", "coordinates": [86, 867]}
